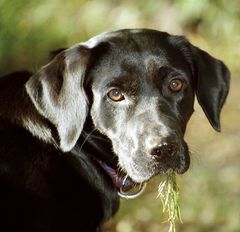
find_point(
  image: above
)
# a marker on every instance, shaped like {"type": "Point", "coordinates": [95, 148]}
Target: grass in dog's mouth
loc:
{"type": "Point", "coordinates": [168, 192]}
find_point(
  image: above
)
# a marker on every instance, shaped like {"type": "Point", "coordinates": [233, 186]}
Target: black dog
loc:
{"type": "Point", "coordinates": [101, 117]}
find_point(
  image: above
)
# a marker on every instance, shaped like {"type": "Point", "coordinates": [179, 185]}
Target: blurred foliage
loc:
{"type": "Point", "coordinates": [29, 29]}
{"type": "Point", "coordinates": [210, 191]}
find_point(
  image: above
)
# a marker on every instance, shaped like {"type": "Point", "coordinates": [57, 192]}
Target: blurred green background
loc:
{"type": "Point", "coordinates": [210, 190]}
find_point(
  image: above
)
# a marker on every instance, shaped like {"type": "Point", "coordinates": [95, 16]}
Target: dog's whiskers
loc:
{"type": "Point", "coordinates": [86, 138]}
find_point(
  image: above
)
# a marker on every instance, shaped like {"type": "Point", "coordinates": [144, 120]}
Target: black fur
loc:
{"type": "Point", "coordinates": [56, 125]}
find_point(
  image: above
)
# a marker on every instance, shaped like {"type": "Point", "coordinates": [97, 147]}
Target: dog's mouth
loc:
{"type": "Point", "coordinates": [127, 188]}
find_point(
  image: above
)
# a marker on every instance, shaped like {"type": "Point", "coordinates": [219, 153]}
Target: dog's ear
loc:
{"type": "Point", "coordinates": [212, 84]}
{"type": "Point", "coordinates": [57, 94]}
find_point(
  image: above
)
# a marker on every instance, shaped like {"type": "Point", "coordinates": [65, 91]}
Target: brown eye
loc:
{"type": "Point", "coordinates": [175, 85]}
{"type": "Point", "coordinates": [115, 95]}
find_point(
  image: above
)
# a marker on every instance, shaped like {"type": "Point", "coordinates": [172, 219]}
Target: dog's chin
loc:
{"type": "Point", "coordinates": [141, 177]}
{"type": "Point", "coordinates": [157, 170]}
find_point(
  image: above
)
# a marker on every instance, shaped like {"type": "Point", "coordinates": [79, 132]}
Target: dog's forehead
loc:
{"type": "Point", "coordinates": [143, 45]}
{"type": "Point", "coordinates": [131, 54]}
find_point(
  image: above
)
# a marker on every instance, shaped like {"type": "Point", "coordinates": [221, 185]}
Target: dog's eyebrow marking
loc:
{"type": "Point", "coordinates": [127, 77]}
{"type": "Point", "coordinates": [126, 83]}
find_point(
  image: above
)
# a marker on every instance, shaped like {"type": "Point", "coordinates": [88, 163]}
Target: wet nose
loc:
{"type": "Point", "coordinates": [165, 149]}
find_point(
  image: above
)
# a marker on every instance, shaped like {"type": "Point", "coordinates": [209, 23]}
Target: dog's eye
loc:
{"type": "Point", "coordinates": [175, 85]}
{"type": "Point", "coordinates": [115, 95]}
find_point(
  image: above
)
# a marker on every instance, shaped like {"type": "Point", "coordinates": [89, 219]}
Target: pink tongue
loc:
{"type": "Point", "coordinates": [121, 183]}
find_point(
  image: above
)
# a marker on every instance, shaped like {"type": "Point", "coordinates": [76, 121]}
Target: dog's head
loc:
{"type": "Point", "coordinates": [138, 86]}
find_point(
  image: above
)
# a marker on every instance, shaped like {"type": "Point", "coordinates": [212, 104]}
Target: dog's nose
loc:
{"type": "Point", "coordinates": [165, 149]}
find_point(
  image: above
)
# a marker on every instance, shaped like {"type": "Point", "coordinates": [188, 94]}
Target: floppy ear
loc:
{"type": "Point", "coordinates": [212, 85]}
{"type": "Point", "coordinates": [57, 94]}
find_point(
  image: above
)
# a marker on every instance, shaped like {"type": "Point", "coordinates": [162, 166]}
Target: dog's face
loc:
{"type": "Point", "coordinates": [143, 98]}
{"type": "Point", "coordinates": [142, 84]}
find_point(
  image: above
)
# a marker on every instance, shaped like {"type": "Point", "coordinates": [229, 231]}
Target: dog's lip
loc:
{"type": "Point", "coordinates": [121, 181]}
